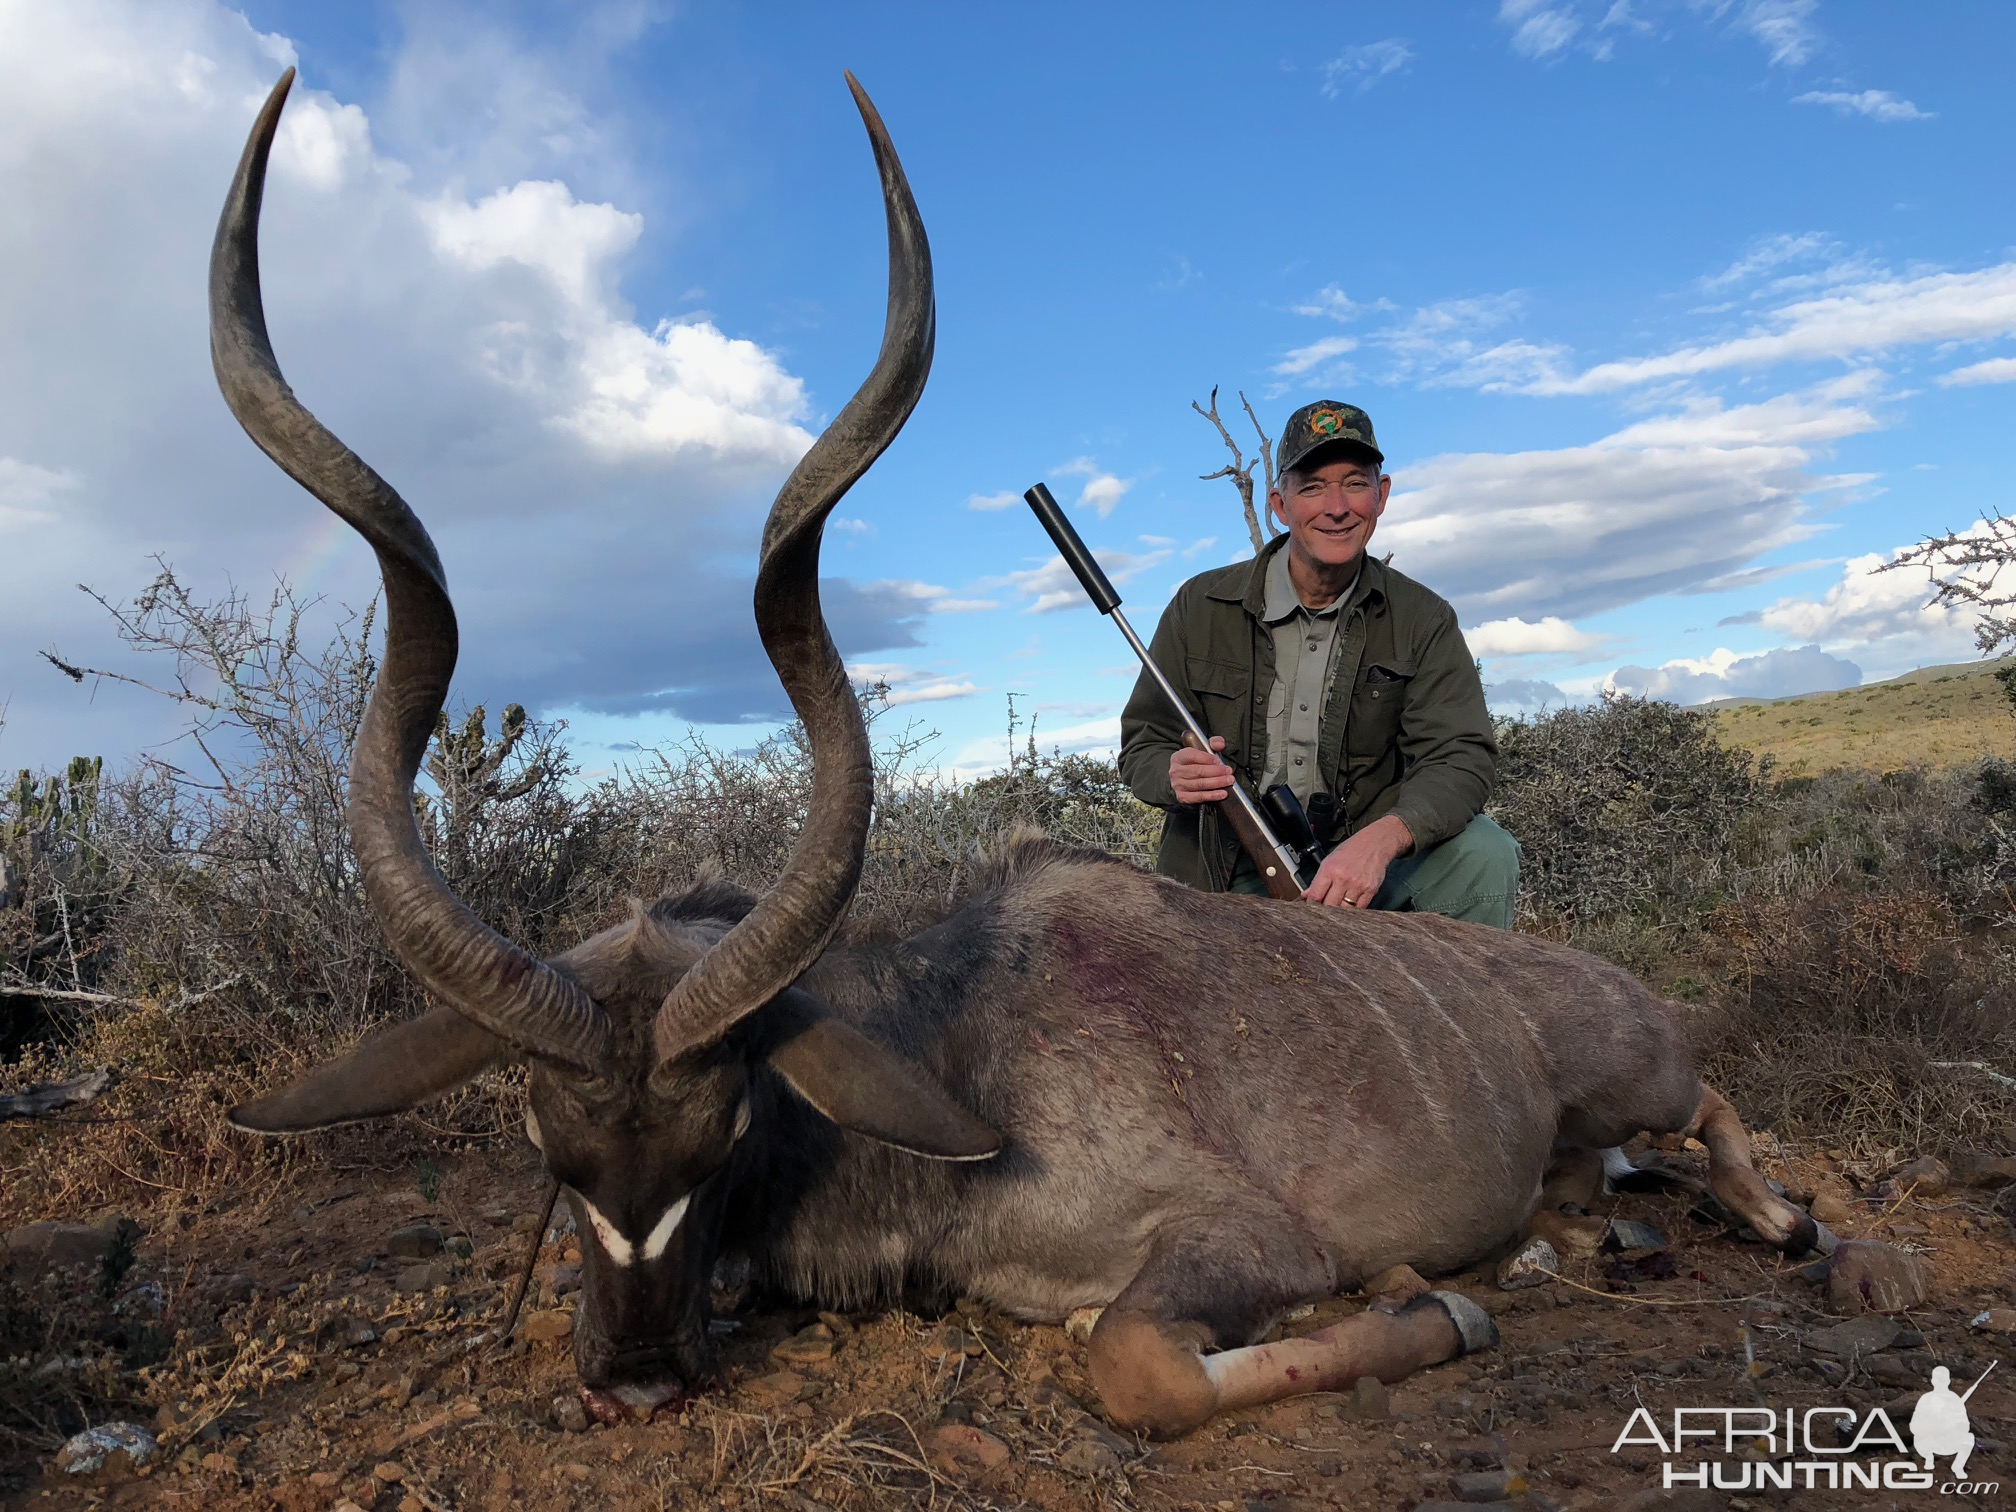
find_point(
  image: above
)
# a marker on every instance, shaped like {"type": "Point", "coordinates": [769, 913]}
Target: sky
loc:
{"type": "Point", "coordinates": [1677, 319]}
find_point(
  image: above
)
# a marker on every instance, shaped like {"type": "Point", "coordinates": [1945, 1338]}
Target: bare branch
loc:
{"type": "Point", "coordinates": [1266, 442]}
{"type": "Point", "coordinates": [53, 1097]}
{"type": "Point", "coordinates": [1240, 471]}
{"type": "Point", "coordinates": [1975, 568]}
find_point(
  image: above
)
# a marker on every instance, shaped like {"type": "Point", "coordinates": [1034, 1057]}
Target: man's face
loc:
{"type": "Point", "coordinates": [1330, 509]}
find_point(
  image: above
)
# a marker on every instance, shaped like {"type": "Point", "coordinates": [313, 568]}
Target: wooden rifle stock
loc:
{"type": "Point", "coordinates": [1259, 845]}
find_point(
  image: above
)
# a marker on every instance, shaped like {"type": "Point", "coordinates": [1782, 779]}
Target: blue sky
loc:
{"type": "Point", "coordinates": [1674, 320]}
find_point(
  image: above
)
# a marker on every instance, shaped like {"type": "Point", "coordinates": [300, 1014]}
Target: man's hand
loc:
{"type": "Point", "coordinates": [1351, 875]}
{"type": "Point", "coordinates": [1199, 776]}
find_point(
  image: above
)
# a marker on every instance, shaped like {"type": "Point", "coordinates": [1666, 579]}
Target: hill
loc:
{"type": "Point", "coordinates": [1935, 716]}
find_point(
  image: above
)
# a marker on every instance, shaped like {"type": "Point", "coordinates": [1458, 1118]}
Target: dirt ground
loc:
{"type": "Point", "coordinates": [304, 1377]}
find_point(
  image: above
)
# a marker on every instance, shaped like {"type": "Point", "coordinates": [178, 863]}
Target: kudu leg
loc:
{"type": "Point", "coordinates": [1147, 1360]}
{"type": "Point", "coordinates": [1734, 1178]}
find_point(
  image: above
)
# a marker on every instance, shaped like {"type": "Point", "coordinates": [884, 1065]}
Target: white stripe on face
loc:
{"type": "Point", "coordinates": [614, 1245]}
{"type": "Point", "coordinates": [654, 1244]}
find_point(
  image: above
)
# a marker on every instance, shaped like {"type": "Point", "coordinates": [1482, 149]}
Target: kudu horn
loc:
{"type": "Point", "coordinates": [796, 919]}
{"type": "Point", "coordinates": [456, 956]}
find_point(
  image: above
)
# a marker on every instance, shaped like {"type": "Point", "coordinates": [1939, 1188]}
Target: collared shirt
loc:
{"type": "Point", "coordinates": [1305, 654]}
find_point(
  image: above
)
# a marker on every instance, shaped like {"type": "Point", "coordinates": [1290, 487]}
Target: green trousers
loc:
{"type": "Point", "coordinates": [1473, 875]}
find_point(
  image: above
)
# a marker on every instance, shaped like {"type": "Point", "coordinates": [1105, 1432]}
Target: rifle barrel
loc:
{"type": "Point", "coordinates": [1276, 863]}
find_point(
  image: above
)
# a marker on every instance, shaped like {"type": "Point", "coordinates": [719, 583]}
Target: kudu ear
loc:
{"type": "Point", "coordinates": [390, 1071]}
{"type": "Point", "coordinates": [865, 1088]}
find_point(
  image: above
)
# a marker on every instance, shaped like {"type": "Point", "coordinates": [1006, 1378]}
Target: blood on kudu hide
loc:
{"type": "Point", "coordinates": [1084, 1087]}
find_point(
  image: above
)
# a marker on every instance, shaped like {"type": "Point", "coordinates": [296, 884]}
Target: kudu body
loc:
{"type": "Point", "coordinates": [1084, 1087]}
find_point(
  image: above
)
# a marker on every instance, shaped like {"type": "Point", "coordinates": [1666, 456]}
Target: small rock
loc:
{"type": "Point", "coordinates": [416, 1241]}
{"type": "Point", "coordinates": [1401, 1281]}
{"type": "Point", "coordinates": [778, 1389]}
{"type": "Point", "coordinates": [346, 1505]}
{"type": "Point", "coordinates": [1080, 1324]}
{"type": "Point", "coordinates": [1625, 1234]}
{"type": "Point", "coordinates": [1987, 1171]}
{"type": "Point", "coordinates": [1532, 1264]}
{"type": "Point", "coordinates": [325, 1478]}
{"type": "Point", "coordinates": [841, 1326]}
{"type": "Point", "coordinates": [961, 1449]}
{"type": "Point", "coordinates": [388, 1473]}
{"type": "Point", "coordinates": [52, 1246]}
{"type": "Point", "coordinates": [1089, 1458]}
{"type": "Point", "coordinates": [1995, 1320]}
{"type": "Point", "coordinates": [557, 1281]}
{"type": "Point", "coordinates": [1481, 1486]}
{"type": "Point", "coordinates": [1370, 1401]}
{"type": "Point", "coordinates": [1926, 1176]}
{"type": "Point", "coordinates": [1858, 1336]}
{"type": "Point", "coordinates": [568, 1415]}
{"type": "Point", "coordinates": [524, 1223]}
{"type": "Point", "coordinates": [1459, 1506]}
{"type": "Point", "coordinates": [546, 1327]}
{"type": "Point", "coordinates": [424, 1278]}
{"type": "Point", "coordinates": [808, 1346]}
{"type": "Point", "coordinates": [1867, 1275]}
{"type": "Point", "coordinates": [117, 1448]}
{"type": "Point", "coordinates": [1830, 1206]}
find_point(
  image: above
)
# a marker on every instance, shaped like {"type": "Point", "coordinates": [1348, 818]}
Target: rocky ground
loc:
{"type": "Point", "coordinates": [329, 1343]}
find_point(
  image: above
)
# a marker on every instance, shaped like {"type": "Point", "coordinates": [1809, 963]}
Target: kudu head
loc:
{"type": "Point", "coordinates": [656, 1046]}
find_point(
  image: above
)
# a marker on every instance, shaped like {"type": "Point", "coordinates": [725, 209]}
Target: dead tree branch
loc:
{"type": "Point", "coordinates": [1240, 471]}
{"type": "Point", "coordinates": [53, 1097]}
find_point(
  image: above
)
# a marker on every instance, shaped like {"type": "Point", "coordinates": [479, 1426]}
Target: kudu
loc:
{"type": "Point", "coordinates": [1085, 1087]}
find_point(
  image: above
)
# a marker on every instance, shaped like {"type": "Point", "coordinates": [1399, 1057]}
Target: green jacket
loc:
{"type": "Point", "coordinates": [1405, 730]}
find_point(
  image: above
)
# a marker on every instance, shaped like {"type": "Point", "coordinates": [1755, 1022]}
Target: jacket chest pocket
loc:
{"type": "Point", "coordinates": [1224, 693]}
{"type": "Point", "coordinates": [1376, 705]}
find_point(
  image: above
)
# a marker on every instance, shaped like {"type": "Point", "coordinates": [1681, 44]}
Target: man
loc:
{"type": "Point", "coordinates": [1317, 666]}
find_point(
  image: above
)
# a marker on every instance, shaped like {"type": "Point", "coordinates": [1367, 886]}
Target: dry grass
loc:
{"type": "Point", "coordinates": [1934, 717]}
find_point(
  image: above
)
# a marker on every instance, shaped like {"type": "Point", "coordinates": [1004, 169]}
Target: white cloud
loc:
{"type": "Point", "coordinates": [1770, 252]}
{"type": "Point", "coordinates": [1363, 66]}
{"type": "Point", "coordinates": [1994, 370]}
{"type": "Point", "coordinates": [26, 490]}
{"type": "Point", "coordinates": [1053, 586]}
{"type": "Point", "coordinates": [845, 525]}
{"type": "Point", "coordinates": [572, 459]}
{"type": "Point", "coordinates": [1523, 695]}
{"type": "Point", "coordinates": [1657, 507]}
{"type": "Point", "coordinates": [1850, 321]}
{"type": "Point", "coordinates": [1092, 737]}
{"type": "Point", "coordinates": [1315, 355]}
{"type": "Point", "coordinates": [1538, 30]}
{"type": "Point", "coordinates": [1102, 490]}
{"type": "Point", "coordinates": [1884, 617]}
{"type": "Point", "coordinates": [1726, 674]}
{"type": "Point", "coordinates": [1876, 104]}
{"type": "Point", "coordinates": [909, 685]}
{"type": "Point", "coordinates": [930, 597]}
{"type": "Point", "coordinates": [1006, 499]}
{"type": "Point", "coordinates": [1330, 301]}
{"type": "Point", "coordinates": [1550, 635]}
{"type": "Point", "coordinates": [1784, 27]}
{"type": "Point", "coordinates": [1446, 343]}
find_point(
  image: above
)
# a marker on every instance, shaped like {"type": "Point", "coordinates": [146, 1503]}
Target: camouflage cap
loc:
{"type": "Point", "coordinates": [1325, 423]}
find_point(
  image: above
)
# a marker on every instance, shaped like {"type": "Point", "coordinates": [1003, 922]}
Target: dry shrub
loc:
{"type": "Point", "coordinates": [1828, 1013]}
{"type": "Point", "coordinates": [1627, 806]}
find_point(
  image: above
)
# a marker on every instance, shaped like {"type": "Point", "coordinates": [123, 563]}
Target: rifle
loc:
{"type": "Point", "coordinates": [1280, 868]}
